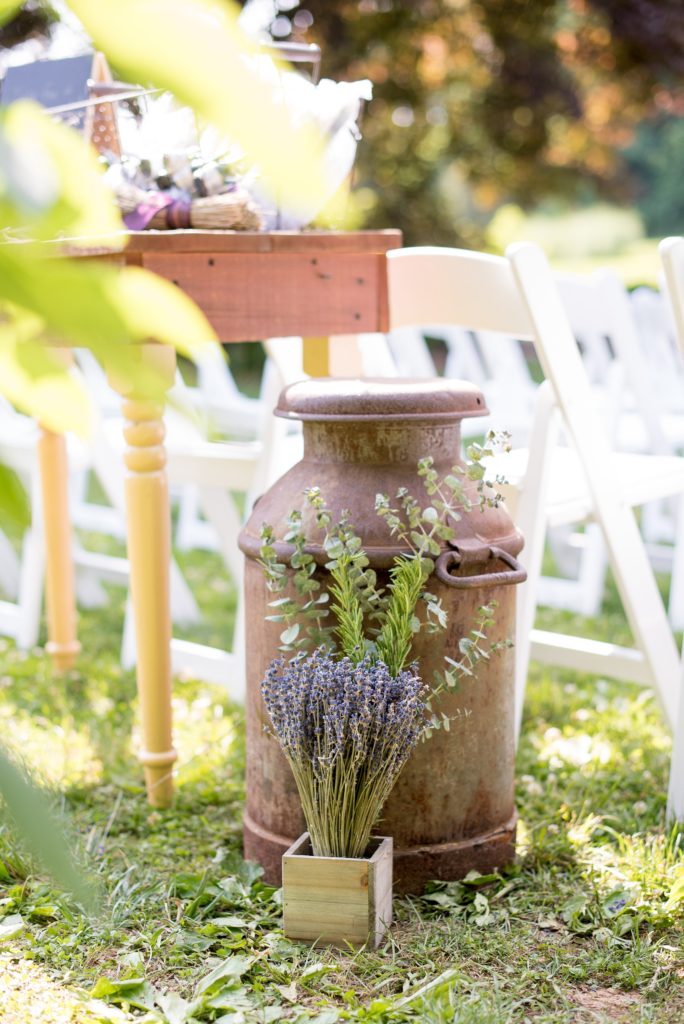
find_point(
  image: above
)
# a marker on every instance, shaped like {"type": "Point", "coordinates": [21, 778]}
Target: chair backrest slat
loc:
{"type": "Point", "coordinates": [672, 255]}
{"type": "Point", "coordinates": [422, 291]}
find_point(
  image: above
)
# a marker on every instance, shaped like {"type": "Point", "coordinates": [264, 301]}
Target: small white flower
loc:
{"type": "Point", "coordinates": [640, 807]}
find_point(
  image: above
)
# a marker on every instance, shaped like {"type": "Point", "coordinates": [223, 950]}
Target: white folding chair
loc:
{"type": "Point", "coordinates": [218, 397]}
{"type": "Point", "coordinates": [21, 578]}
{"type": "Point", "coordinates": [600, 315]}
{"type": "Point", "coordinates": [602, 319]}
{"type": "Point", "coordinates": [654, 319]}
{"type": "Point", "coordinates": [516, 295]}
{"type": "Point", "coordinates": [672, 256]}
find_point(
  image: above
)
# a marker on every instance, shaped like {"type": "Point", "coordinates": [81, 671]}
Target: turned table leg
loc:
{"type": "Point", "coordinates": [63, 645]}
{"type": "Point", "coordinates": [149, 553]}
{"type": "Point", "coordinates": [335, 356]}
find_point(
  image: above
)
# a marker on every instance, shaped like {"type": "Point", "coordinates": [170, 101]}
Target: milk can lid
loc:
{"type": "Point", "coordinates": [330, 399]}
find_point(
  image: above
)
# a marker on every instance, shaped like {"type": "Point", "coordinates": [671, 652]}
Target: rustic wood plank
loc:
{"type": "Point", "coordinates": [252, 296]}
{"type": "Point", "coordinates": [348, 875]}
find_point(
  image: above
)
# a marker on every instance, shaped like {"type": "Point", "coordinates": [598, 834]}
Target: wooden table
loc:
{"type": "Point", "coordinates": [324, 286]}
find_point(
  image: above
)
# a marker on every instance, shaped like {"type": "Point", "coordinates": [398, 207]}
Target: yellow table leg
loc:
{"type": "Point", "coordinates": [336, 356]}
{"type": "Point", "coordinates": [316, 357]}
{"type": "Point", "coordinates": [149, 553]}
{"type": "Point", "coordinates": [63, 645]}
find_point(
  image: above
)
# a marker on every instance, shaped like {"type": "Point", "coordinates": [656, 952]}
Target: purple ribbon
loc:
{"type": "Point", "coordinates": [177, 212]}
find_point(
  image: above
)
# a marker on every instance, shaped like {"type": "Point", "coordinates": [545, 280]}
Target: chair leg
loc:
{"type": "Point", "coordinates": [191, 531]}
{"type": "Point", "coordinates": [128, 651]}
{"type": "Point", "coordinates": [675, 795]}
{"type": "Point", "coordinates": [583, 593]}
{"type": "Point", "coordinates": [31, 580]}
{"type": "Point", "coordinates": [219, 509]}
{"type": "Point", "coordinates": [10, 567]}
{"type": "Point", "coordinates": [184, 611]}
{"type": "Point", "coordinates": [592, 575]}
{"type": "Point", "coordinates": [676, 602]}
{"type": "Point", "coordinates": [184, 608]}
{"type": "Point", "coordinates": [531, 521]}
{"type": "Point", "coordinates": [240, 684]}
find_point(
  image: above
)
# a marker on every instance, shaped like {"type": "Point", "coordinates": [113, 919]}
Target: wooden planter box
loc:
{"type": "Point", "coordinates": [337, 900]}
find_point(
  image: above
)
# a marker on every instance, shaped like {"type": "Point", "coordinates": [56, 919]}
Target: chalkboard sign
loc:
{"type": "Point", "coordinates": [52, 83]}
{"type": "Point", "coordinates": [57, 83]}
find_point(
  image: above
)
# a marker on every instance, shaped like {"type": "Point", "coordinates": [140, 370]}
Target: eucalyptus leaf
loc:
{"type": "Point", "coordinates": [289, 635]}
{"type": "Point", "coordinates": [232, 968]}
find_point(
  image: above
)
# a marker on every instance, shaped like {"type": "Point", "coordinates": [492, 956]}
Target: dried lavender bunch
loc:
{"type": "Point", "coordinates": [347, 729]}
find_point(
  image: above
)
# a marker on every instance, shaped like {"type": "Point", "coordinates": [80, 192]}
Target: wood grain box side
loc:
{"type": "Point", "coordinates": [337, 900]}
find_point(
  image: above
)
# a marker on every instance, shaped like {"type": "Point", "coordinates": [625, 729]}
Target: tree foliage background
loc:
{"type": "Point", "coordinates": [480, 102]}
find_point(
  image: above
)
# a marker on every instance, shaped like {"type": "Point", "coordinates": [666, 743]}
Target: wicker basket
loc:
{"type": "Point", "coordinates": [230, 211]}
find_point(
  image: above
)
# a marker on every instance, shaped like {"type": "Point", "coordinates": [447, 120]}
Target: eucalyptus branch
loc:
{"type": "Point", "coordinates": [393, 644]}
{"type": "Point", "coordinates": [366, 620]}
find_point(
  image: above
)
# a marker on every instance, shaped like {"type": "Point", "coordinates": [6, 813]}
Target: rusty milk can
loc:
{"type": "Point", "coordinates": [452, 809]}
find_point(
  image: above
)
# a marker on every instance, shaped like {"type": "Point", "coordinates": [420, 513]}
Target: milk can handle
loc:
{"type": "Point", "coordinates": [452, 559]}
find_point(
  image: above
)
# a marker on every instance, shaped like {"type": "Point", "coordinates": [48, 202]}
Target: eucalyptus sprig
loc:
{"type": "Point", "coordinates": [366, 621]}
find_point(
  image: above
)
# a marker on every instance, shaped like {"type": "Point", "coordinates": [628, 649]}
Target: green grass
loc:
{"type": "Point", "coordinates": [636, 264]}
{"type": "Point", "coordinates": [585, 927]}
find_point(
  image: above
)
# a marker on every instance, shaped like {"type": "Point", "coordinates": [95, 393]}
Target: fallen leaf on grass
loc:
{"type": "Point", "coordinates": [11, 926]}
{"type": "Point", "coordinates": [288, 992]}
{"type": "Point", "coordinates": [228, 922]}
{"type": "Point", "coordinates": [135, 992]}
{"type": "Point", "coordinates": [550, 924]}
{"type": "Point", "coordinates": [174, 1007]}
{"type": "Point", "coordinates": [610, 1002]}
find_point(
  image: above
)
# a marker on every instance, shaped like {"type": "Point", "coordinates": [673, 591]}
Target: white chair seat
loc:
{"type": "Point", "coordinates": [18, 444]}
{"type": "Point", "coordinates": [640, 478]}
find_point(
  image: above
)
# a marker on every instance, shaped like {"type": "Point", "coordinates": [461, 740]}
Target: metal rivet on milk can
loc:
{"type": "Point", "coordinates": [452, 809]}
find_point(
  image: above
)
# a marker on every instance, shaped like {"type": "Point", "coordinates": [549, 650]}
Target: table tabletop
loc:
{"type": "Point", "coordinates": [253, 285]}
